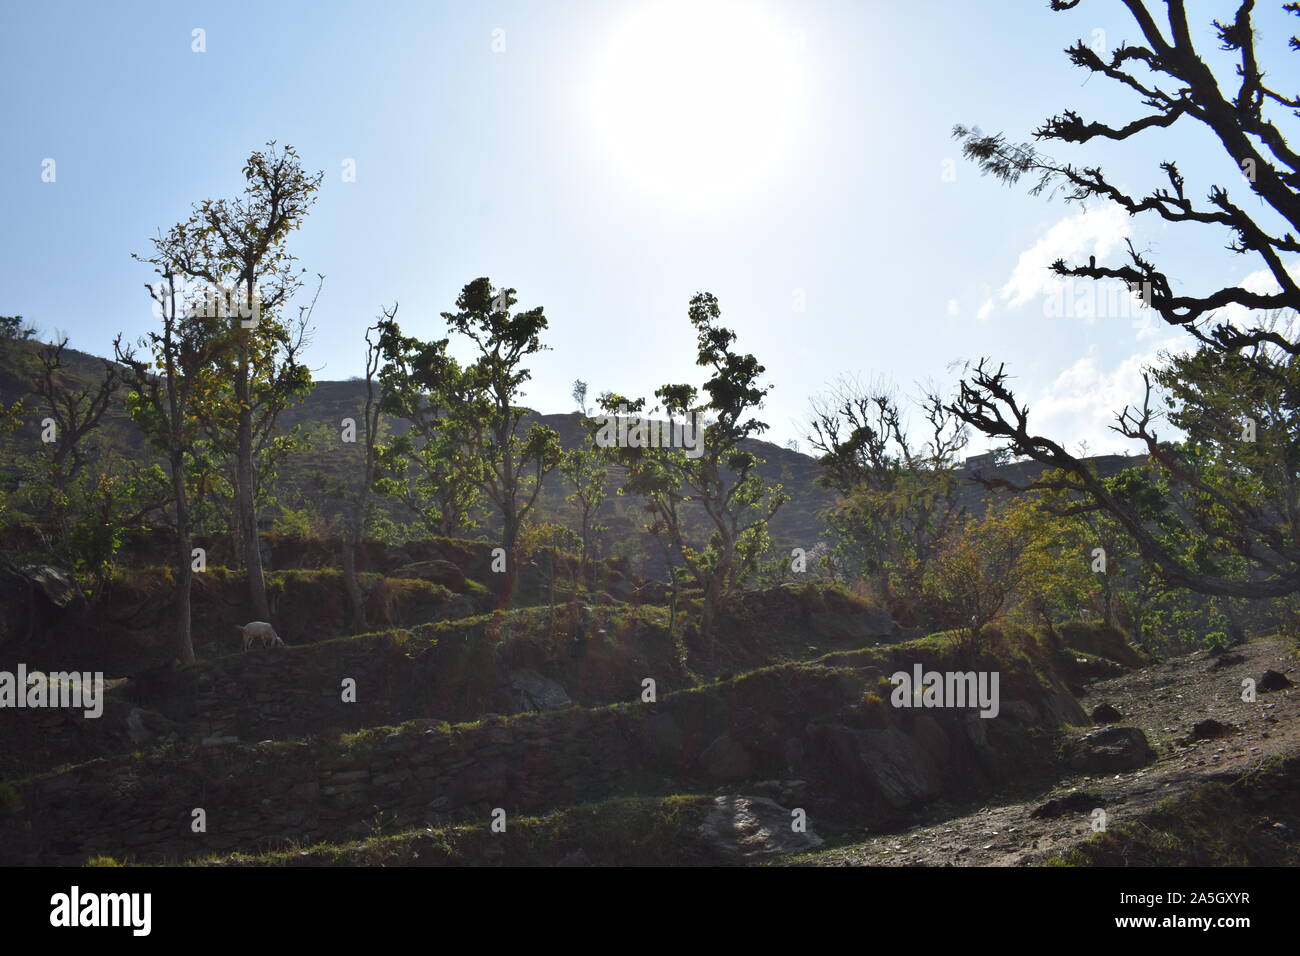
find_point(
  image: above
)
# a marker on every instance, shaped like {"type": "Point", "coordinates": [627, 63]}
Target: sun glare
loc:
{"type": "Point", "coordinates": [697, 102]}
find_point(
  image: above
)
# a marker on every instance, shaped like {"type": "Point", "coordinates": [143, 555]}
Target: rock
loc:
{"type": "Point", "coordinates": [145, 726]}
{"type": "Point", "coordinates": [1209, 729]}
{"type": "Point", "coordinates": [1216, 650]}
{"type": "Point", "coordinates": [32, 598]}
{"type": "Point", "coordinates": [725, 759]}
{"type": "Point", "coordinates": [744, 829]}
{"type": "Point", "coordinates": [1227, 660]}
{"type": "Point", "coordinates": [57, 586]}
{"type": "Point", "coordinates": [529, 691]}
{"type": "Point", "coordinates": [438, 571]}
{"type": "Point", "coordinates": [1080, 801]}
{"type": "Point", "coordinates": [1101, 641]}
{"type": "Point", "coordinates": [577, 858]}
{"type": "Point", "coordinates": [1106, 714]}
{"type": "Point", "coordinates": [888, 763]}
{"type": "Point", "coordinates": [1273, 680]}
{"type": "Point", "coordinates": [1111, 750]}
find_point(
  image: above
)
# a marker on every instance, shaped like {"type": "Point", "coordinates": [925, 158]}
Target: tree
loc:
{"type": "Point", "coordinates": [900, 495]}
{"type": "Point", "coordinates": [979, 573]}
{"type": "Point", "coordinates": [513, 465]}
{"type": "Point", "coordinates": [76, 411]}
{"type": "Point", "coordinates": [430, 468]}
{"type": "Point", "coordinates": [1243, 523]}
{"type": "Point", "coordinates": [237, 248]}
{"type": "Point", "coordinates": [14, 329]}
{"type": "Point", "coordinates": [721, 480]}
{"type": "Point", "coordinates": [585, 469]}
{"type": "Point", "coordinates": [579, 394]}
{"type": "Point", "coordinates": [355, 528]}
{"type": "Point", "coordinates": [165, 389]}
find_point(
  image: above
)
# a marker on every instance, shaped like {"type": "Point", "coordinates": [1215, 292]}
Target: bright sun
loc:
{"type": "Point", "coordinates": [698, 101]}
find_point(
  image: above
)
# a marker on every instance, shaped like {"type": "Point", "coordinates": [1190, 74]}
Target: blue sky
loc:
{"type": "Point", "coordinates": [500, 139]}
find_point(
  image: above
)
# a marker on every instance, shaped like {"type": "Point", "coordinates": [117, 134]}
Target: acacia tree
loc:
{"type": "Point", "coordinates": [237, 249]}
{"type": "Point", "coordinates": [167, 386]}
{"type": "Point", "coordinates": [511, 466]}
{"type": "Point", "coordinates": [1244, 530]}
{"type": "Point", "coordinates": [722, 481]}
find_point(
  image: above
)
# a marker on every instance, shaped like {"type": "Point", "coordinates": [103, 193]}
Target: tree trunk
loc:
{"type": "Point", "coordinates": [247, 502]}
{"type": "Point", "coordinates": [509, 541]}
{"type": "Point", "coordinates": [356, 599]}
{"type": "Point", "coordinates": [184, 564]}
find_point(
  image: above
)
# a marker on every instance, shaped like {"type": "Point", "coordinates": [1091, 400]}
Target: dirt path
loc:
{"type": "Point", "coordinates": [1165, 701]}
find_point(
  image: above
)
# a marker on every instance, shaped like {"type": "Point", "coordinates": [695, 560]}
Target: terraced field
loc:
{"type": "Point", "coordinates": [574, 734]}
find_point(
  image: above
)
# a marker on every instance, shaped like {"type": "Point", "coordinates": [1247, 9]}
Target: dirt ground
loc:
{"type": "Point", "coordinates": [1165, 700]}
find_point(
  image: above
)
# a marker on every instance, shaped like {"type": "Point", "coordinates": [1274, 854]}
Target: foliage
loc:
{"type": "Point", "coordinates": [722, 480]}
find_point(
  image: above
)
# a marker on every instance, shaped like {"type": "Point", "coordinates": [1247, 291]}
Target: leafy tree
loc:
{"type": "Point", "coordinates": [1242, 523]}
{"type": "Point", "coordinates": [237, 249]}
{"type": "Point", "coordinates": [723, 480]}
{"type": "Point", "coordinates": [585, 469]}
{"type": "Point", "coordinates": [14, 329]}
{"type": "Point", "coordinates": [900, 496]}
{"type": "Point", "coordinates": [76, 411]}
{"type": "Point", "coordinates": [579, 394]}
{"type": "Point", "coordinates": [510, 466]}
{"type": "Point", "coordinates": [982, 568]}
{"type": "Point", "coordinates": [429, 468]}
{"type": "Point", "coordinates": [166, 386]}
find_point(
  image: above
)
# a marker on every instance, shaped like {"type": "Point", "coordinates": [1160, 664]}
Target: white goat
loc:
{"type": "Point", "coordinates": [259, 631]}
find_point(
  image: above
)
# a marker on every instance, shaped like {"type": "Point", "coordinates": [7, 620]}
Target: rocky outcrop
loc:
{"type": "Point", "coordinates": [32, 599]}
{"type": "Point", "coordinates": [1112, 750]}
{"type": "Point", "coordinates": [743, 829]}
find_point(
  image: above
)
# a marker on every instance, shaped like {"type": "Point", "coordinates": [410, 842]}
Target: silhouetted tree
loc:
{"type": "Point", "coordinates": [1237, 499]}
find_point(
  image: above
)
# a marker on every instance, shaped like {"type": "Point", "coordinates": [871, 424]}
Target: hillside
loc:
{"type": "Point", "coordinates": [321, 476]}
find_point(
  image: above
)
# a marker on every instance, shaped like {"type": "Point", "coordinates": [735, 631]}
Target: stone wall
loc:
{"type": "Point", "coordinates": [448, 671]}
{"type": "Point", "coordinates": [792, 722]}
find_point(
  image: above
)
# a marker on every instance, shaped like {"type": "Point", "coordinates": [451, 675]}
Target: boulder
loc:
{"type": "Point", "coordinates": [744, 829]}
{"type": "Point", "coordinates": [1079, 801]}
{"type": "Point", "coordinates": [32, 598]}
{"type": "Point", "coordinates": [1101, 640]}
{"type": "Point", "coordinates": [437, 570]}
{"type": "Point", "coordinates": [529, 691]}
{"type": "Point", "coordinates": [1106, 714]}
{"type": "Point", "coordinates": [1111, 750]}
{"type": "Point", "coordinates": [1209, 729]}
{"type": "Point", "coordinates": [1273, 680]}
{"type": "Point", "coordinates": [886, 763]}
{"type": "Point", "coordinates": [1227, 660]}
{"type": "Point", "coordinates": [145, 726]}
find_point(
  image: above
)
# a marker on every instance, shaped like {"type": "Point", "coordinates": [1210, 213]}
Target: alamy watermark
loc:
{"type": "Point", "coordinates": [625, 430]}
{"type": "Point", "coordinates": [948, 689]}
{"type": "Point", "coordinates": [210, 301]}
{"type": "Point", "coordinates": [57, 689]}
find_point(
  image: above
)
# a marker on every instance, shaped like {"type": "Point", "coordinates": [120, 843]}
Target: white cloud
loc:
{"type": "Point", "coordinates": [1081, 403]}
{"type": "Point", "coordinates": [985, 310]}
{"type": "Point", "coordinates": [1093, 232]}
{"type": "Point", "coordinates": [1263, 283]}
{"type": "Point", "coordinates": [952, 306]}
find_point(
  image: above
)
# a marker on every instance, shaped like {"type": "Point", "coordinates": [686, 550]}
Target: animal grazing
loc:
{"type": "Point", "coordinates": [259, 631]}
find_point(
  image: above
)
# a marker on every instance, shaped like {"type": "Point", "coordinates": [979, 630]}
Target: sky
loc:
{"type": "Point", "coordinates": [608, 160]}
